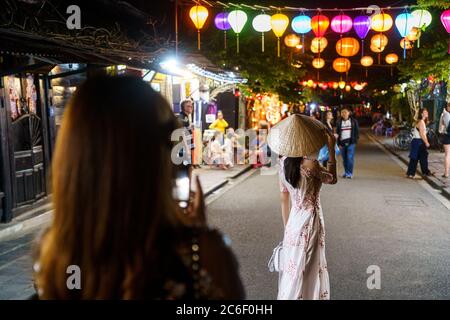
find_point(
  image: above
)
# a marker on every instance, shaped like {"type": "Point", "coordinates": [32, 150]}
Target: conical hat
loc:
{"type": "Point", "coordinates": [297, 136]}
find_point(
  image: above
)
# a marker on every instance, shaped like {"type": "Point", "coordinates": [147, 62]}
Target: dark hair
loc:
{"type": "Point", "coordinates": [420, 116]}
{"type": "Point", "coordinates": [183, 103]}
{"type": "Point", "coordinates": [292, 170]}
{"type": "Point", "coordinates": [111, 180]}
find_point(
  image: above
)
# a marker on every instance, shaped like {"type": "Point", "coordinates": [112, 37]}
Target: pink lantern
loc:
{"type": "Point", "coordinates": [445, 19]}
{"type": "Point", "coordinates": [341, 24]}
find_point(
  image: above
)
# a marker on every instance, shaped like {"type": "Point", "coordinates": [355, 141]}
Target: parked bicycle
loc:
{"type": "Point", "coordinates": [403, 139]}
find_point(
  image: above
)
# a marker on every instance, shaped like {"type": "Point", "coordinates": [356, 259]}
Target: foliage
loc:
{"type": "Point", "coordinates": [442, 4]}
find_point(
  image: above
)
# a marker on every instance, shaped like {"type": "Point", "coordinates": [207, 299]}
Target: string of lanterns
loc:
{"type": "Point", "coordinates": [408, 24]}
{"type": "Point", "coordinates": [347, 86]}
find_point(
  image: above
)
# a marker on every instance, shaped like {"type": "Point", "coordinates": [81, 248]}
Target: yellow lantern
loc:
{"type": "Point", "coordinates": [347, 47]}
{"type": "Point", "coordinates": [379, 40]}
{"type": "Point", "coordinates": [414, 34]}
{"type": "Point", "coordinates": [382, 22]}
{"type": "Point", "coordinates": [310, 83]}
{"type": "Point", "coordinates": [279, 23]}
{"type": "Point", "coordinates": [291, 40]}
{"type": "Point", "coordinates": [366, 61]}
{"type": "Point", "coordinates": [376, 49]}
{"type": "Point", "coordinates": [335, 85]}
{"type": "Point", "coordinates": [318, 63]}
{"type": "Point", "coordinates": [406, 43]}
{"type": "Point", "coordinates": [198, 15]}
{"type": "Point", "coordinates": [318, 44]}
{"type": "Point", "coordinates": [391, 58]}
{"type": "Point", "coordinates": [341, 84]}
{"type": "Point", "coordinates": [341, 65]}
{"type": "Point", "coordinates": [348, 88]}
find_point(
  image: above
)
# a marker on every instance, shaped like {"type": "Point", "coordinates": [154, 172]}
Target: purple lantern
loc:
{"type": "Point", "coordinates": [221, 22]}
{"type": "Point", "coordinates": [362, 25]}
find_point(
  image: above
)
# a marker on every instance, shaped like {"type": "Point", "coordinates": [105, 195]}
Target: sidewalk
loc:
{"type": "Point", "coordinates": [211, 180]}
{"type": "Point", "coordinates": [435, 163]}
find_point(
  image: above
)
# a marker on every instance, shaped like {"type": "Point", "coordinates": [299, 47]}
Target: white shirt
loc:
{"type": "Point", "coordinates": [346, 129]}
{"type": "Point", "coordinates": [444, 121]}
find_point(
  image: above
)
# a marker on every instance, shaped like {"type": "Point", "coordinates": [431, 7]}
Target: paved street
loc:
{"type": "Point", "coordinates": [379, 218]}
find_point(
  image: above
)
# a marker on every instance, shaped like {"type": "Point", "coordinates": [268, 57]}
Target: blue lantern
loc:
{"type": "Point", "coordinates": [404, 23]}
{"type": "Point", "coordinates": [301, 24]}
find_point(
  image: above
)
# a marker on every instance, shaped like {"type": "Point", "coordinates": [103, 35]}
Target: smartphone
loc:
{"type": "Point", "coordinates": [182, 186]}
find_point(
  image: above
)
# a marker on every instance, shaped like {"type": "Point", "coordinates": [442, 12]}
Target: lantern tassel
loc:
{"type": "Point", "coordinates": [367, 72]}
{"type": "Point", "coordinates": [404, 49]}
{"type": "Point", "coordinates": [262, 41]}
{"type": "Point", "coordinates": [198, 39]}
{"type": "Point", "coordinates": [278, 47]}
{"type": "Point", "coordinates": [225, 40]}
{"type": "Point", "coordinates": [237, 43]}
{"type": "Point", "coordinates": [449, 47]}
{"type": "Point", "coordinates": [362, 48]}
{"type": "Point", "coordinates": [303, 43]}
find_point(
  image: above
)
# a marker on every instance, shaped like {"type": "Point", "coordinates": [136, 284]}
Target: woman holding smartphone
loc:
{"type": "Point", "coordinates": [114, 215]}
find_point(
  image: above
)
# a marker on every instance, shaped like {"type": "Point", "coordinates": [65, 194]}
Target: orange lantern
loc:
{"type": "Point", "coordinates": [348, 88]}
{"type": "Point", "coordinates": [376, 49]}
{"type": "Point", "coordinates": [341, 65]}
{"type": "Point", "coordinates": [319, 25]}
{"type": "Point", "coordinates": [391, 58]}
{"type": "Point", "coordinates": [341, 84]}
{"type": "Point", "coordinates": [318, 63]}
{"type": "Point", "coordinates": [335, 85]}
{"type": "Point", "coordinates": [198, 15]}
{"type": "Point", "coordinates": [347, 47]}
{"type": "Point", "coordinates": [382, 22]}
{"type": "Point", "coordinates": [366, 61]}
{"type": "Point", "coordinates": [414, 34]}
{"type": "Point", "coordinates": [291, 40]}
{"type": "Point", "coordinates": [379, 40]}
{"type": "Point", "coordinates": [406, 43]}
{"type": "Point", "coordinates": [318, 44]}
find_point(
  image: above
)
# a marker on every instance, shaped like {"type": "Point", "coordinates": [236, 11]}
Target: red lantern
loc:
{"type": "Point", "coordinates": [320, 24]}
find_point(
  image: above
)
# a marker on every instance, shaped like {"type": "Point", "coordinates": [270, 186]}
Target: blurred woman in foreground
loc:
{"type": "Point", "coordinates": [114, 215]}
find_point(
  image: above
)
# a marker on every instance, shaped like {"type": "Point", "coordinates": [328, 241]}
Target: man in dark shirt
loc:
{"type": "Point", "coordinates": [184, 116]}
{"type": "Point", "coordinates": [347, 130]}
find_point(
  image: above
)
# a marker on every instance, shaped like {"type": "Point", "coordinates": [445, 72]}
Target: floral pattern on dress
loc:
{"type": "Point", "coordinates": [304, 238]}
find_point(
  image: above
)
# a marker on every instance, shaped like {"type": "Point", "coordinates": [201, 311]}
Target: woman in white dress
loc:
{"type": "Point", "coordinates": [303, 270]}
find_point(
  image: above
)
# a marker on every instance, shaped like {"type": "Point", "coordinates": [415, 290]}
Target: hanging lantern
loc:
{"type": "Point", "coordinates": [347, 47]}
{"type": "Point", "coordinates": [318, 44]}
{"type": "Point", "coordinates": [221, 23]}
{"type": "Point", "coordinates": [358, 87]}
{"type": "Point", "coordinates": [382, 22]}
{"type": "Point", "coordinates": [342, 84]}
{"type": "Point", "coordinates": [404, 23]}
{"type": "Point", "coordinates": [422, 18]}
{"type": "Point", "coordinates": [291, 40]}
{"type": "Point", "coordinates": [279, 23]}
{"type": "Point", "coordinates": [335, 85]}
{"type": "Point", "coordinates": [301, 24]}
{"type": "Point", "coordinates": [310, 83]}
{"type": "Point", "coordinates": [414, 34]}
{"type": "Point", "coordinates": [237, 20]}
{"type": "Point", "coordinates": [366, 61]}
{"type": "Point", "coordinates": [341, 24]}
{"type": "Point", "coordinates": [376, 49]}
{"type": "Point", "coordinates": [379, 40]}
{"type": "Point", "coordinates": [319, 25]}
{"type": "Point", "coordinates": [391, 58]}
{"type": "Point", "coordinates": [318, 63]}
{"type": "Point", "coordinates": [261, 23]}
{"type": "Point", "coordinates": [348, 88]}
{"type": "Point", "coordinates": [406, 44]}
{"type": "Point", "coordinates": [445, 19]}
{"type": "Point", "coordinates": [341, 65]}
{"type": "Point", "coordinates": [362, 25]}
{"type": "Point", "coordinates": [198, 15]}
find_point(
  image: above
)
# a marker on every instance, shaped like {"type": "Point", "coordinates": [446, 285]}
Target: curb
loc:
{"type": "Point", "coordinates": [26, 224]}
{"type": "Point", "coordinates": [223, 183]}
{"type": "Point", "coordinates": [432, 181]}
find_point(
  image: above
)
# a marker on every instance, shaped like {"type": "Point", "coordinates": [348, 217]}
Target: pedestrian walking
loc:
{"type": "Point", "coordinates": [444, 129]}
{"type": "Point", "coordinates": [347, 130]}
{"type": "Point", "coordinates": [220, 124]}
{"type": "Point", "coordinates": [300, 258]}
{"type": "Point", "coordinates": [185, 117]}
{"type": "Point", "coordinates": [114, 218]}
{"type": "Point", "coordinates": [419, 145]}
{"type": "Point", "coordinates": [323, 153]}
